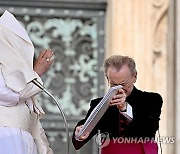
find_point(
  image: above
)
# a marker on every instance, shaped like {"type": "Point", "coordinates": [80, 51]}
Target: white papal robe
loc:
{"type": "Point", "coordinates": [14, 136]}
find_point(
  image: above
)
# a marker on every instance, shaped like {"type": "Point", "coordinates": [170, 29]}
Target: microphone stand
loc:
{"type": "Point", "coordinates": [38, 84]}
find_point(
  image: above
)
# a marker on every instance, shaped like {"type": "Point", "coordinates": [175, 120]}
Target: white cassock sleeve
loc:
{"type": "Point", "coordinates": [7, 96]}
{"type": "Point", "coordinates": [10, 98]}
{"type": "Point", "coordinates": [30, 90]}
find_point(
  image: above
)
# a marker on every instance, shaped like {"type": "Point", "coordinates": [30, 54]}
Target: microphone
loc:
{"type": "Point", "coordinates": [38, 84]}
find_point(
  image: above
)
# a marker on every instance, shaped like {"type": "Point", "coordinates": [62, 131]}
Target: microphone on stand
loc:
{"type": "Point", "coordinates": [38, 84]}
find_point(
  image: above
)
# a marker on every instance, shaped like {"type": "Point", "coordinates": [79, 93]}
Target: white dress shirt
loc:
{"type": "Point", "coordinates": [128, 114]}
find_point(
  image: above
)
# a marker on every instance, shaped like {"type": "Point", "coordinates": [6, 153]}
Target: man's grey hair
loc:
{"type": "Point", "coordinates": [117, 61]}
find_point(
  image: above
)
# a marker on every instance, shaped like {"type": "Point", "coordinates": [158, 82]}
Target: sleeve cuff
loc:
{"type": "Point", "coordinates": [128, 113]}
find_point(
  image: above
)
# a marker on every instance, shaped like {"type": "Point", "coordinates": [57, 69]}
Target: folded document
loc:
{"type": "Point", "coordinates": [98, 111]}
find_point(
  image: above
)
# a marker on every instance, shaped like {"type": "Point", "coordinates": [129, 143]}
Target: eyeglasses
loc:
{"type": "Point", "coordinates": [126, 83]}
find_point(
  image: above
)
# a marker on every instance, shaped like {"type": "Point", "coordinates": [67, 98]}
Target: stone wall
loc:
{"type": "Point", "coordinates": [139, 29]}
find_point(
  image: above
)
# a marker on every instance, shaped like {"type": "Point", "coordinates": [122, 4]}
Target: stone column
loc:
{"type": "Point", "coordinates": [139, 29]}
{"type": "Point", "coordinates": [177, 81]}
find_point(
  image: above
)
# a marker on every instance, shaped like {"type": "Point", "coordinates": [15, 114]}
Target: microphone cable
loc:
{"type": "Point", "coordinates": [38, 84]}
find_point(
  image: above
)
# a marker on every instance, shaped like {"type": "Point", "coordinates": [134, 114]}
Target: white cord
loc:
{"type": "Point", "coordinates": [59, 107]}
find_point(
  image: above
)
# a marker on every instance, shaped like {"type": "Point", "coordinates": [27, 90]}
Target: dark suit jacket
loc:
{"type": "Point", "coordinates": [146, 108]}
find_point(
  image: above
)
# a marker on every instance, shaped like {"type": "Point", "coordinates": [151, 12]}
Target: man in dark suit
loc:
{"type": "Point", "coordinates": [132, 114]}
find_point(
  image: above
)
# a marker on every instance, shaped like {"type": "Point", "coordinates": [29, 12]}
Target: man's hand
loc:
{"type": "Point", "coordinates": [83, 137]}
{"type": "Point", "coordinates": [120, 100]}
{"type": "Point", "coordinates": [43, 62]}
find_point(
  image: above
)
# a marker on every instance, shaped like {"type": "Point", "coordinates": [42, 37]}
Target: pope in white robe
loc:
{"type": "Point", "coordinates": [20, 128]}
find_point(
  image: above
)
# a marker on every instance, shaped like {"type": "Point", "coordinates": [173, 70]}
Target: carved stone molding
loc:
{"type": "Point", "coordinates": [160, 13]}
{"type": "Point", "coordinates": [65, 4]}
